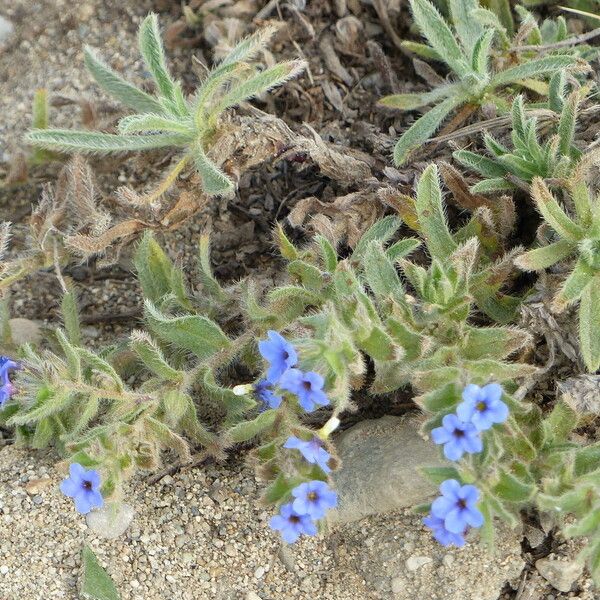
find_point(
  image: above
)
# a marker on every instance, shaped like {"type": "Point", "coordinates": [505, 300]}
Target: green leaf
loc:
{"type": "Point", "coordinates": [148, 123]}
{"type": "Point", "coordinates": [96, 583]}
{"type": "Point", "coordinates": [439, 474]}
{"type": "Point", "coordinates": [481, 164]}
{"type": "Point", "coordinates": [195, 333]}
{"type": "Point", "coordinates": [156, 273]}
{"type": "Point", "coordinates": [534, 68]}
{"type": "Point", "coordinates": [424, 127]}
{"type": "Point", "coordinates": [152, 357]}
{"type": "Point", "coordinates": [214, 180]}
{"type": "Point", "coordinates": [382, 231]}
{"type": "Point", "coordinates": [422, 50]}
{"type": "Point", "coordinates": [492, 186]}
{"type": "Point", "coordinates": [209, 281]}
{"type": "Point", "coordinates": [546, 256]}
{"type": "Point", "coordinates": [306, 274]}
{"type": "Point", "coordinates": [560, 423]}
{"type": "Point", "coordinates": [380, 274]}
{"type": "Point", "coordinates": [439, 35]}
{"type": "Point", "coordinates": [552, 212]}
{"type": "Point", "coordinates": [249, 47]}
{"type": "Point", "coordinates": [40, 109]}
{"type": "Point", "coordinates": [379, 345]}
{"type": "Point", "coordinates": [566, 124]}
{"type": "Point", "coordinates": [587, 459]}
{"type": "Point", "coordinates": [511, 489]}
{"type": "Point", "coordinates": [412, 101]}
{"type": "Point", "coordinates": [481, 52]}
{"type": "Point", "coordinates": [588, 525]}
{"type": "Point", "coordinates": [257, 84]}
{"type": "Point", "coordinates": [468, 29]}
{"type": "Point", "coordinates": [402, 248]}
{"type": "Point", "coordinates": [242, 432]}
{"type": "Point", "coordinates": [432, 219]}
{"type": "Point", "coordinates": [286, 247]}
{"type": "Point", "coordinates": [575, 284]}
{"type": "Point", "coordinates": [328, 253]}
{"type": "Point", "coordinates": [493, 342]}
{"type": "Point", "coordinates": [154, 55]}
{"type": "Point", "coordinates": [556, 91]}
{"type": "Point", "coordinates": [100, 365]}
{"type": "Point", "coordinates": [114, 85]}
{"type": "Point", "coordinates": [73, 359]}
{"type": "Point", "coordinates": [589, 325]}
{"type": "Point", "coordinates": [175, 404]}
{"type": "Point", "coordinates": [70, 316]}
{"type": "Point", "coordinates": [66, 140]}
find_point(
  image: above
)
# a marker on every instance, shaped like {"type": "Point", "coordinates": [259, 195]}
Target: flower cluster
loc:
{"type": "Point", "coordinates": [283, 358]}
{"type": "Point", "coordinates": [309, 500]}
{"type": "Point", "coordinates": [480, 409]}
{"type": "Point", "coordinates": [83, 485]}
{"type": "Point", "coordinates": [454, 512]}
{"type": "Point", "coordinates": [312, 500]}
{"type": "Point", "coordinates": [7, 389]}
{"type": "Point", "coordinates": [456, 509]}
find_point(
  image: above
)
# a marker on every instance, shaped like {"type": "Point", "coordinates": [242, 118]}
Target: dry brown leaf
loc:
{"type": "Point", "coordinates": [344, 168]}
{"type": "Point", "coordinates": [344, 219]}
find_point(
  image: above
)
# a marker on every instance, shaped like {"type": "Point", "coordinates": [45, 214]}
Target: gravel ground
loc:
{"type": "Point", "coordinates": [197, 535]}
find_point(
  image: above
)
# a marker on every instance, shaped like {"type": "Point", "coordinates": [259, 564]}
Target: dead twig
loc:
{"type": "Point", "coordinates": [195, 461]}
{"type": "Point", "coordinates": [572, 41]}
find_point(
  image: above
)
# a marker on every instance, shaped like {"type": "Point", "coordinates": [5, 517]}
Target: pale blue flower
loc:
{"type": "Point", "coordinates": [314, 498]}
{"type": "Point", "coordinates": [84, 487]}
{"type": "Point", "coordinates": [307, 386]}
{"type": "Point", "coordinates": [457, 437]}
{"type": "Point", "coordinates": [482, 406]}
{"type": "Point", "coordinates": [279, 353]}
{"type": "Point", "coordinates": [312, 450]}
{"type": "Point", "coordinates": [457, 506]}
{"type": "Point", "coordinates": [291, 524]}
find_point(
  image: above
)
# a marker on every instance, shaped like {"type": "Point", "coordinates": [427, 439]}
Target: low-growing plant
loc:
{"type": "Point", "coordinates": [340, 311]}
{"type": "Point", "coordinates": [575, 234]}
{"type": "Point", "coordinates": [555, 158]}
{"type": "Point", "coordinates": [467, 50]}
{"type": "Point", "coordinates": [169, 119]}
{"type": "Point", "coordinates": [373, 318]}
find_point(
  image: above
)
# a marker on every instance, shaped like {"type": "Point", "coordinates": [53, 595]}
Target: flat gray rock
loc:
{"type": "Point", "coordinates": [560, 574]}
{"type": "Point", "coordinates": [7, 29]}
{"type": "Point", "coordinates": [379, 472]}
{"type": "Point", "coordinates": [110, 521]}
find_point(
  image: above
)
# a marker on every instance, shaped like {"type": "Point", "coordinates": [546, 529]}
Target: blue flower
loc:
{"type": "Point", "coordinates": [291, 524]}
{"type": "Point", "coordinates": [482, 406]}
{"type": "Point", "coordinates": [313, 498]}
{"type": "Point", "coordinates": [457, 437]}
{"type": "Point", "coordinates": [84, 487]}
{"type": "Point", "coordinates": [264, 393]}
{"type": "Point", "coordinates": [312, 451]}
{"type": "Point", "coordinates": [441, 534]}
{"type": "Point", "coordinates": [7, 389]}
{"type": "Point", "coordinates": [307, 386]}
{"type": "Point", "coordinates": [279, 353]}
{"type": "Point", "coordinates": [457, 506]}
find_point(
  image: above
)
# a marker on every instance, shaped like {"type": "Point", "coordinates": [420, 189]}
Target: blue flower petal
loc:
{"type": "Point", "coordinates": [492, 392]}
{"type": "Point", "coordinates": [441, 506]}
{"type": "Point", "coordinates": [453, 451]}
{"type": "Point", "coordinates": [450, 488]}
{"type": "Point", "coordinates": [455, 521]}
